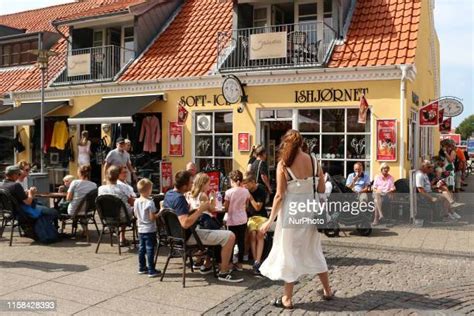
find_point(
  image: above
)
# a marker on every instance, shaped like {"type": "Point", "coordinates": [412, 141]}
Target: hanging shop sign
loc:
{"type": "Point", "coordinates": [445, 126]}
{"type": "Point", "coordinates": [244, 141]}
{"type": "Point", "coordinates": [79, 65]}
{"type": "Point", "coordinates": [182, 114]}
{"type": "Point", "coordinates": [166, 170]}
{"type": "Point", "coordinates": [268, 45]}
{"type": "Point", "coordinates": [214, 180]}
{"type": "Point", "coordinates": [387, 140]}
{"type": "Point", "coordinates": [330, 95]}
{"type": "Point", "coordinates": [363, 108]}
{"type": "Point", "coordinates": [455, 137]}
{"type": "Point", "coordinates": [429, 115]}
{"type": "Point", "coordinates": [175, 142]}
{"type": "Point", "coordinates": [452, 106]}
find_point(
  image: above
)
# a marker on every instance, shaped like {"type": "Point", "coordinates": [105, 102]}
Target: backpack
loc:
{"type": "Point", "coordinates": [45, 230]}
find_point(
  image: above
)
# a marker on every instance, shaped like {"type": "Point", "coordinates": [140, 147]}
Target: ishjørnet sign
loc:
{"type": "Point", "coordinates": [268, 45]}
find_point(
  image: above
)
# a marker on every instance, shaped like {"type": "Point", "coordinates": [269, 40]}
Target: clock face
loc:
{"type": "Point", "coordinates": [451, 106]}
{"type": "Point", "coordinates": [232, 90]}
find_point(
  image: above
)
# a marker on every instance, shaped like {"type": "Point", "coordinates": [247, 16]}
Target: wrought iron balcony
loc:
{"type": "Point", "coordinates": [286, 46]}
{"type": "Point", "coordinates": [94, 64]}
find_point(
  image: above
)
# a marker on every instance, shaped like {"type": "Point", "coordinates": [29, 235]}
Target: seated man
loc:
{"type": "Point", "coordinates": [174, 199]}
{"type": "Point", "coordinates": [359, 181]}
{"type": "Point", "coordinates": [257, 216]}
{"type": "Point", "coordinates": [423, 187]}
{"type": "Point", "coordinates": [25, 199]}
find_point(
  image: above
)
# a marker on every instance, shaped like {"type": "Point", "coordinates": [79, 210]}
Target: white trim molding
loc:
{"type": "Point", "coordinates": [257, 78]}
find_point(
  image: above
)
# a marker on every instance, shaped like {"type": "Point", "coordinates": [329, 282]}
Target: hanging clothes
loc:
{"type": "Point", "coordinates": [48, 135]}
{"type": "Point", "coordinates": [151, 133]}
{"type": "Point", "coordinates": [60, 135]}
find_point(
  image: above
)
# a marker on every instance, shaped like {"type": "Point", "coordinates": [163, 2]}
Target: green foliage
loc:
{"type": "Point", "coordinates": [466, 128]}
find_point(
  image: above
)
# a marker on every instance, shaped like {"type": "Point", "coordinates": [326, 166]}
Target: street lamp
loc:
{"type": "Point", "coordinates": [42, 63]}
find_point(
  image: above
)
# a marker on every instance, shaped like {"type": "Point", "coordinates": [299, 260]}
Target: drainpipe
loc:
{"type": "Point", "coordinates": [404, 69]}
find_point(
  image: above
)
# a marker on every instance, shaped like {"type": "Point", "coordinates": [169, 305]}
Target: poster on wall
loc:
{"type": "Point", "coordinates": [429, 115]}
{"type": "Point", "coordinates": [214, 180]}
{"type": "Point", "coordinates": [166, 176]}
{"type": "Point", "coordinates": [387, 140]}
{"type": "Point", "coordinates": [445, 126]}
{"type": "Point", "coordinates": [175, 141]}
{"type": "Point", "coordinates": [244, 141]}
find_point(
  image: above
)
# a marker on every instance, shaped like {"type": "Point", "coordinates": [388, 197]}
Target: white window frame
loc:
{"type": "Point", "coordinates": [122, 43]}
{"type": "Point", "coordinates": [320, 133]}
{"type": "Point", "coordinates": [213, 134]}
{"type": "Point", "coordinates": [319, 15]}
{"type": "Point", "coordinates": [268, 18]}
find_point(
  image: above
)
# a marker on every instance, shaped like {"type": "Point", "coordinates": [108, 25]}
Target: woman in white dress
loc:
{"type": "Point", "coordinates": [297, 250]}
{"type": "Point", "coordinates": [84, 150]}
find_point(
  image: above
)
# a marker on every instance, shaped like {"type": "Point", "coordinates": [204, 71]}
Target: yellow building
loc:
{"type": "Point", "coordinates": [302, 64]}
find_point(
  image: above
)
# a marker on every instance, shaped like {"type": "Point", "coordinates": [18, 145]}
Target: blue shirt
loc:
{"type": "Point", "coordinates": [360, 184]}
{"type": "Point", "coordinates": [177, 202]}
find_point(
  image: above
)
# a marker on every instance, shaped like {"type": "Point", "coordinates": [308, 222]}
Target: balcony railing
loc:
{"type": "Point", "coordinates": [302, 45]}
{"type": "Point", "coordinates": [94, 64]}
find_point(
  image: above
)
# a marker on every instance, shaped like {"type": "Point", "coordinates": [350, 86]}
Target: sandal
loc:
{"type": "Point", "coordinates": [278, 302]}
{"type": "Point", "coordinates": [327, 297]}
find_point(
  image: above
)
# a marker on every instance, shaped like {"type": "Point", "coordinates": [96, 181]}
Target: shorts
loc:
{"type": "Point", "coordinates": [255, 222]}
{"type": "Point", "coordinates": [211, 237]}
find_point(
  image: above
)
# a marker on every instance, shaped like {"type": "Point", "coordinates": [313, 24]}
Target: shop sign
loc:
{"type": "Point", "coordinates": [203, 100]}
{"type": "Point", "coordinates": [182, 114]}
{"type": "Point", "coordinates": [268, 45]}
{"type": "Point", "coordinates": [79, 65]}
{"type": "Point", "coordinates": [166, 176]}
{"type": "Point", "coordinates": [175, 142]}
{"type": "Point", "coordinates": [244, 141]}
{"type": "Point", "coordinates": [387, 140]}
{"type": "Point", "coordinates": [363, 107]}
{"type": "Point", "coordinates": [214, 180]}
{"type": "Point", "coordinates": [330, 95]}
{"type": "Point", "coordinates": [455, 137]}
{"type": "Point", "coordinates": [452, 106]}
{"type": "Point", "coordinates": [429, 115]}
{"type": "Point", "coordinates": [445, 126]}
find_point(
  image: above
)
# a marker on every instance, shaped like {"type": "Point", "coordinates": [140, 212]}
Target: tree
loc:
{"type": "Point", "coordinates": [466, 128]}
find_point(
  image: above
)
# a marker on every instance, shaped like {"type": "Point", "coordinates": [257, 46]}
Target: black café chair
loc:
{"type": "Point", "coordinates": [113, 215]}
{"type": "Point", "coordinates": [12, 215]}
{"type": "Point", "coordinates": [177, 242]}
{"type": "Point", "coordinates": [401, 200]}
{"type": "Point", "coordinates": [161, 235]}
{"type": "Point", "coordinates": [87, 204]}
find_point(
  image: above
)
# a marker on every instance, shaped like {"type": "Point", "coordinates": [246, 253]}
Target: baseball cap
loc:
{"type": "Point", "coordinates": [10, 170]}
{"type": "Point", "coordinates": [120, 140]}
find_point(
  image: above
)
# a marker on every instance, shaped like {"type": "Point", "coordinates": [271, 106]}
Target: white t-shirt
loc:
{"type": "Point", "coordinates": [128, 188]}
{"type": "Point", "coordinates": [422, 181]}
{"type": "Point", "coordinates": [79, 189]}
{"type": "Point", "coordinates": [118, 190]}
{"type": "Point", "coordinates": [142, 208]}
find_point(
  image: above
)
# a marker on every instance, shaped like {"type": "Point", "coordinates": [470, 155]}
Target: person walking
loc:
{"type": "Point", "coordinates": [296, 251]}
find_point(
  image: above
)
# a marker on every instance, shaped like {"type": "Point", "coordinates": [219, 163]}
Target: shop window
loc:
{"type": "Point", "coordinates": [284, 113]}
{"type": "Point", "coordinates": [213, 143]}
{"type": "Point", "coordinates": [308, 120]}
{"type": "Point", "coordinates": [353, 126]}
{"type": "Point", "coordinates": [267, 114]}
{"type": "Point", "coordinates": [357, 146]}
{"type": "Point", "coordinates": [333, 120]}
{"type": "Point", "coordinates": [333, 146]}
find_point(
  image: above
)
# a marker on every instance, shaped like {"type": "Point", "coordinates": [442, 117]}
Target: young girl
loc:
{"type": "Point", "coordinates": [236, 201]}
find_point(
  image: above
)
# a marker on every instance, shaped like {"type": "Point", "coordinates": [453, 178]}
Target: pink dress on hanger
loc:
{"type": "Point", "coordinates": [150, 133]}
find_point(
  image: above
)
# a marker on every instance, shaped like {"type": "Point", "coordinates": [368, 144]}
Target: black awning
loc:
{"type": "Point", "coordinates": [27, 113]}
{"type": "Point", "coordinates": [114, 110]}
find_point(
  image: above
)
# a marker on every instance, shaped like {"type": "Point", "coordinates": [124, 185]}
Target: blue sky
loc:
{"type": "Point", "coordinates": [454, 21]}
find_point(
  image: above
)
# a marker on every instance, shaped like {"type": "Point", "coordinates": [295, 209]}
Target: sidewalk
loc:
{"type": "Point", "coordinates": [449, 238]}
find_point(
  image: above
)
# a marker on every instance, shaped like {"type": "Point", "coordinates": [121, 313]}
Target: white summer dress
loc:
{"type": "Point", "coordinates": [295, 251]}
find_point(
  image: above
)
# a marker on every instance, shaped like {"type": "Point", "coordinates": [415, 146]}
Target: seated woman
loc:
{"type": "Point", "coordinates": [383, 185]}
{"type": "Point", "coordinates": [78, 189]}
{"type": "Point", "coordinates": [113, 188]}
{"type": "Point", "coordinates": [439, 185]}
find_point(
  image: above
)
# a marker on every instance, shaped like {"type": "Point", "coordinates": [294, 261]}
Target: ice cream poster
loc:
{"type": "Point", "coordinates": [387, 140]}
{"type": "Point", "coordinates": [166, 176]}
{"type": "Point", "coordinates": [429, 115]}
{"type": "Point", "coordinates": [175, 140]}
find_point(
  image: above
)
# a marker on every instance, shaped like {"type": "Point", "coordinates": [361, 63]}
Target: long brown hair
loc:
{"type": "Point", "coordinates": [200, 181]}
{"type": "Point", "coordinates": [291, 142]}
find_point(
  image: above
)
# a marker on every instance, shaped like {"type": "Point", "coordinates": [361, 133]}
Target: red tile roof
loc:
{"type": "Point", "coordinates": [382, 32]}
{"type": "Point", "coordinates": [108, 8]}
{"type": "Point", "coordinates": [188, 46]}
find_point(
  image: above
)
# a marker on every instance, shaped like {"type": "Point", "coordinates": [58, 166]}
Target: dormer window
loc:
{"type": "Point", "coordinates": [14, 54]}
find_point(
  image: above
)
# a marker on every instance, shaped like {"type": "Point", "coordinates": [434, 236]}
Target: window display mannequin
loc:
{"type": "Point", "coordinates": [84, 150]}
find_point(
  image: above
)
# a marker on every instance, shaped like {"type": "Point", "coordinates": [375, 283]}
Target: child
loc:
{"type": "Point", "coordinates": [236, 200]}
{"type": "Point", "coordinates": [145, 212]}
{"type": "Point", "coordinates": [62, 204]}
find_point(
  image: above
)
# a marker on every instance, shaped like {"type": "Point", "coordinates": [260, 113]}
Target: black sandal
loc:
{"type": "Point", "coordinates": [278, 302]}
{"type": "Point", "coordinates": [327, 297]}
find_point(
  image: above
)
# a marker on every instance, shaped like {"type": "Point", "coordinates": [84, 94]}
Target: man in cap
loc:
{"type": "Point", "coordinates": [24, 198]}
{"type": "Point", "coordinates": [118, 157]}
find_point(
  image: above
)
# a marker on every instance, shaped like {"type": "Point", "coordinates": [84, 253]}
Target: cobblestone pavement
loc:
{"type": "Point", "coordinates": [374, 282]}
